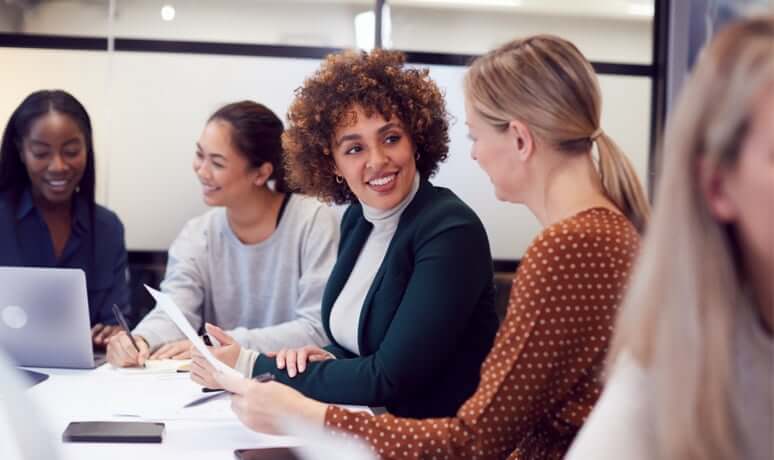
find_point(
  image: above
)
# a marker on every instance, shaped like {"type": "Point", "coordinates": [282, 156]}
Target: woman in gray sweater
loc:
{"type": "Point", "coordinates": [257, 264]}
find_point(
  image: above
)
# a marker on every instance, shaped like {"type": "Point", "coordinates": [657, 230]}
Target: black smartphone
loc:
{"type": "Point", "coordinates": [131, 432]}
{"type": "Point", "coordinates": [274, 453]}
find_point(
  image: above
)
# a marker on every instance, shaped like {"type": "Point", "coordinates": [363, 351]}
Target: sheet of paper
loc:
{"type": "Point", "coordinates": [173, 311]}
{"type": "Point", "coordinates": [218, 409]}
{"type": "Point", "coordinates": [157, 366]}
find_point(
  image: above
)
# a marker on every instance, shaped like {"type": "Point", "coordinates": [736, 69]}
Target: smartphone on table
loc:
{"type": "Point", "coordinates": [274, 453]}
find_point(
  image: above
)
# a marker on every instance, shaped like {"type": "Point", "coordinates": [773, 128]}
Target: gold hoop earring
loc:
{"type": "Point", "coordinates": [339, 179]}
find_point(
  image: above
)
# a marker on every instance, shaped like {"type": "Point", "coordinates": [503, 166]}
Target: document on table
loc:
{"type": "Point", "coordinates": [173, 311]}
{"type": "Point", "coordinates": [217, 409]}
{"type": "Point", "coordinates": [157, 366]}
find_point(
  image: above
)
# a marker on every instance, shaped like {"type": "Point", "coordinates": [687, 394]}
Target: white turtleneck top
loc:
{"type": "Point", "coordinates": [345, 314]}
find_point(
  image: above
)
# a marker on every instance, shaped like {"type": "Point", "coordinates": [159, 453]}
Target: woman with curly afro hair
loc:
{"type": "Point", "coordinates": [409, 306]}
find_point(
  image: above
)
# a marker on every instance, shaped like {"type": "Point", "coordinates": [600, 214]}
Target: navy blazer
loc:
{"type": "Point", "coordinates": [98, 250]}
{"type": "Point", "coordinates": [427, 322]}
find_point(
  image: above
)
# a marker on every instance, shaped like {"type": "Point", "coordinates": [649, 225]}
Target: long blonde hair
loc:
{"type": "Point", "coordinates": [678, 318]}
{"type": "Point", "coordinates": [545, 82]}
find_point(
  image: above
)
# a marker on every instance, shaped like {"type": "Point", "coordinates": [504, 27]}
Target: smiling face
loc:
{"type": "Point", "coordinates": [376, 158]}
{"type": "Point", "coordinates": [224, 173]}
{"type": "Point", "coordinates": [54, 153]}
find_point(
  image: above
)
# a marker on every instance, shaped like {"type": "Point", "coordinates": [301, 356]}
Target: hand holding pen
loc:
{"type": "Point", "coordinates": [125, 350]}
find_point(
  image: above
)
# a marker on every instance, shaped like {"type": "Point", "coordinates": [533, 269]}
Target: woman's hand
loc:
{"type": "Point", "coordinates": [202, 371]}
{"type": "Point", "coordinates": [229, 349]}
{"type": "Point", "coordinates": [121, 351]}
{"type": "Point", "coordinates": [296, 358]}
{"type": "Point", "coordinates": [180, 349]}
{"type": "Point", "coordinates": [259, 405]}
{"type": "Point", "coordinates": [101, 333]}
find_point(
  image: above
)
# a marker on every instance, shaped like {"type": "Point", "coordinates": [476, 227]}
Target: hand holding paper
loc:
{"type": "Point", "coordinates": [259, 405]}
{"type": "Point", "coordinates": [167, 305]}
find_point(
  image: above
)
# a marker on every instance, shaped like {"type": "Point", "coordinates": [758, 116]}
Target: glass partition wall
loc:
{"type": "Point", "coordinates": [150, 72]}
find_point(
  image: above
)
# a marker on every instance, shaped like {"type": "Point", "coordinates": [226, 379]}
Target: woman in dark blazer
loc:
{"type": "Point", "coordinates": [409, 306]}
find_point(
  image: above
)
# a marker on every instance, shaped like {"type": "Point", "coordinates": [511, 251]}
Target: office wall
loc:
{"type": "Point", "coordinates": [9, 17]}
{"type": "Point", "coordinates": [149, 108]}
{"type": "Point", "coordinates": [618, 39]}
{"type": "Point", "coordinates": [179, 93]}
{"type": "Point", "coordinates": [321, 23]}
{"type": "Point", "coordinates": [83, 73]}
{"type": "Point", "coordinates": [612, 38]}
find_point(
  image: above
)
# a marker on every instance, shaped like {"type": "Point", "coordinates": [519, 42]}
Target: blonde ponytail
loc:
{"type": "Point", "coordinates": [545, 82]}
{"type": "Point", "coordinates": [620, 182]}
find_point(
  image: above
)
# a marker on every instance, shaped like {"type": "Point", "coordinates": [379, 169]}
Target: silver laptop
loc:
{"type": "Point", "coordinates": [44, 317]}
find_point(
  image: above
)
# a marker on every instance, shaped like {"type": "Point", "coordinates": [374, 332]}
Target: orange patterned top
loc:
{"type": "Point", "coordinates": [541, 378]}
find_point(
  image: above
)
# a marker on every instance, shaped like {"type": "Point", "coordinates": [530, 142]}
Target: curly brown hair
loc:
{"type": "Point", "coordinates": [378, 82]}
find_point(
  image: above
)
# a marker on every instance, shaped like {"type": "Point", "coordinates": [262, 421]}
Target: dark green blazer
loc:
{"type": "Point", "coordinates": [427, 321]}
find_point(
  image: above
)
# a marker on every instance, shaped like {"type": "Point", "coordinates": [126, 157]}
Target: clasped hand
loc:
{"type": "Point", "coordinates": [295, 359]}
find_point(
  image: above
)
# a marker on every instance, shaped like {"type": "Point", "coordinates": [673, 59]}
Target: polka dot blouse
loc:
{"type": "Point", "coordinates": [542, 376]}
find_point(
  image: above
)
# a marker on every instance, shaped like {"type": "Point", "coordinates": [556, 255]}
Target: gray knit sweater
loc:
{"type": "Point", "coordinates": [267, 295]}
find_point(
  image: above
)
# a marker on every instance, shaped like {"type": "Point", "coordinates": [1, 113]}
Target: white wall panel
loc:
{"type": "Point", "coordinates": [160, 105]}
{"type": "Point", "coordinates": [82, 73]}
{"type": "Point", "coordinates": [149, 109]}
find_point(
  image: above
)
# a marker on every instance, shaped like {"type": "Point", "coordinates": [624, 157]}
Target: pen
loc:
{"type": "Point", "coordinates": [265, 377]}
{"type": "Point", "coordinates": [122, 322]}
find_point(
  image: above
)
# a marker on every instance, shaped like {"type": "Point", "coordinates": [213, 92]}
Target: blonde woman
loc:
{"type": "Point", "coordinates": [533, 111]}
{"type": "Point", "coordinates": [693, 374]}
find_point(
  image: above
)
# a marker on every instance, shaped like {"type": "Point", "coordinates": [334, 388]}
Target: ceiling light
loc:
{"type": "Point", "coordinates": [365, 23]}
{"type": "Point", "coordinates": [365, 29]}
{"type": "Point", "coordinates": [167, 12]}
{"type": "Point", "coordinates": [642, 9]}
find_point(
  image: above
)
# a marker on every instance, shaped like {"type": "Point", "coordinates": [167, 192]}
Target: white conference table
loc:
{"type": "Point", "coordinates": [209, 431]}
